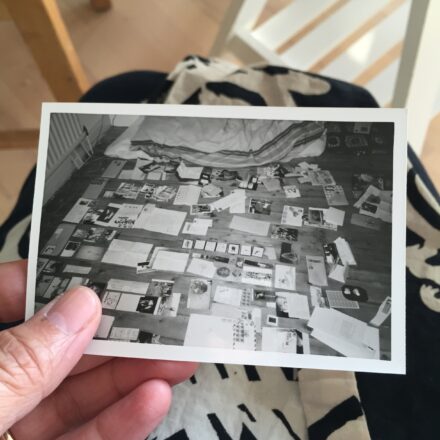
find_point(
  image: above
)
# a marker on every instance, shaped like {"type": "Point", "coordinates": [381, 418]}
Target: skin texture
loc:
{"type": "Point", "coordinates": [49, 389]}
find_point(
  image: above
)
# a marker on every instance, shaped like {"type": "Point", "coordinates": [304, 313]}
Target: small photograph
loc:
{"type": "Point", "coordinates": [221, 247]}
{"type": "Point", "coordinates": [127, 190]}
{"type": "Point", "coordinates": [110, 300]}
{"type": "Point", "coordinates": [200, 244]}
{"type": "Point", "coordinates": [148, 190]}
{"type": "Point", "coordinates": [289, 253]}
{"type": "Point", "coordinates": [233, 249]}
{"type": "Point", "coordinates": [210, 246]}
{"type": "Point", "coordinates": [284, 233]}
{"type": "Point", "coordinates": [291, 191]}
{"type": "Point", "coordinates": [187, 244]}
{"type": "Point", "coordinates": [70, 249]}
{"type": "Point", "coordinates": [264, 295]}
{"type": "Point", "coordinates": [148, 304]}
{"type": "Point", "coordinates": [246, 249]}
{"type": "Point", "coordinates": [260, 206]}
{"type": "Point", "coordinates": [203, 209]}
{"type": "Point", "coordinates": [53, 267]}
{"type": "Point", "coordinates": [316, 216]}
{"type": "Point", "coordinates": [164, 193]}
{"type": "Point", "coordinates": [199, 294]}
{"type": "Point", "coordinates": [160, 287]}
{"type": "Point", "coordinates": [257, 251]}
{"type": "Point", "coordinates": [92, 253]}
{"type": "Point", "coordinates": [272, 320]}
{"type": "Point", "coordinates": [257, 275]}
{"type": "Point", "coordinates": [107, 214]}
{"type": "Point", "coordinates": [369, 209]}
{"type": "Point", "coordinates": [292, 215]}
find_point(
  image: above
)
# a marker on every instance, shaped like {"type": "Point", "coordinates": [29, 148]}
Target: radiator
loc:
{"type": "Point", "coordinates": [65, 134]}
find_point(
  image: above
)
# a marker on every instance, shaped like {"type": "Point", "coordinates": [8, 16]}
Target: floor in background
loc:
{"type": "Point", "coordinates": [151, 35]}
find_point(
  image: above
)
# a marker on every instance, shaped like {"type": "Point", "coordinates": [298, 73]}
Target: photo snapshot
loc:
{"type": "Point", "coordinates": [242, 235]}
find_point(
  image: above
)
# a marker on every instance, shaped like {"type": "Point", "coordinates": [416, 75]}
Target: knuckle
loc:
{"type": "Point", "coordinates": [24, 366]}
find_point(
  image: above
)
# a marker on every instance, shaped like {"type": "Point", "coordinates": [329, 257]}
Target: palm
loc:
{"type": "Point", "coordinates": [102, 397]}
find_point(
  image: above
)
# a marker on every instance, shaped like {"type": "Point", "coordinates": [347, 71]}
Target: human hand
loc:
{"type": "Point", "coordinates": [48, 389]}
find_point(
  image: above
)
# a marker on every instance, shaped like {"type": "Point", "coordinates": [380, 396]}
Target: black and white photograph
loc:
{"type": "Point", "coordinates": [227, 234]}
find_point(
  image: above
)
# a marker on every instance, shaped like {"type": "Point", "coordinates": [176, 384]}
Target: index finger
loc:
{"type": "Point", "coordinates": [12, 290]}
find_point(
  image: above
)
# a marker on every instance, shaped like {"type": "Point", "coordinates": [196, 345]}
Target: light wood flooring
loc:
{"type": "Point", "coordinates": [135, 34]}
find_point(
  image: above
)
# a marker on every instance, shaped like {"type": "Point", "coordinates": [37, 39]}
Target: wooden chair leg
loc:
{"type": "Point", "coordinates": [43, 29]}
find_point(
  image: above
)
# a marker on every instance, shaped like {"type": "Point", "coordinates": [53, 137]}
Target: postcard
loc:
{"type": "Point", "coordinates": [225, 243]}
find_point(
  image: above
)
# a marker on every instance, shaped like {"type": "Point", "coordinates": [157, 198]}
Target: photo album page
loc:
{"type": "Point", "coordinates": [242, 235]}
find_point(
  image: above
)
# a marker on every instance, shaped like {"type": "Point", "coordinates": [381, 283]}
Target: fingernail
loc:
{"type": "Point", "coordinates": [74, 310]}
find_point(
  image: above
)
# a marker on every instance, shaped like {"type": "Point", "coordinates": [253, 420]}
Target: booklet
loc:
{"type": "Point", "coordinates": [229, 234]}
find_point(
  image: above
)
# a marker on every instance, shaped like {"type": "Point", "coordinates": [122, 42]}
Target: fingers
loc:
{"type": "Point", "coordinates": [88, 362]}
{"type": "Point", "coordinates": [37, 355]}
{"type": "Point", "coordinates": [133, 418]}
{"type": "Point", "coordinates": [82, 397]}
{"type": "Point", "coordinates": [12, 290]}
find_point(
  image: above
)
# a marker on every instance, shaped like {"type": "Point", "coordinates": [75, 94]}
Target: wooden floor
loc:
{"type": "Point", "coordinates": [150, 35]}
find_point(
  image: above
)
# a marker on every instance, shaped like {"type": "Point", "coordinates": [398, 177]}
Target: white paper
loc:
{"type": "Point", "coordinates": [171, 261]}
{"type": "Point", "coordinates": [128, 302]}
{"type": "Point", "coordinates": [337, 273]}
{"type": "Point", "coordinates": [104, 326]}
{"type": "Point", "coordinates": [236, 197]}
{"type": "Point", "coordinates": [292, 215]}
{"type": "Point", "coordinates": [187, 195]}
{"type": "Point", "coordinates": [78, 211]}
{"type": "Point", "coordinates": [192, 173]}
{"type": "Point", "coordinates": [298, 306]}
{"type": "Point", "coordinates": [228, 295]}
{"type": "Point", "coordinates": [383, 312]}
{"type": "Point", "coordinates": [209, 331]}
{"type": "Point", "coordinates": [126, 253]}
{"type": "Point", "coordinates": [124, 334]}
{"type": "Point", "coordinates": [250, 226]}
{"type": "Point", "coordinates": [205, 268]}
{"type": "Point", "coordinates": [259, 276]}
{"type": "Point", "coordinates": [83, 270]}
{"type": "Point", "coordinates": [279, 340]}
{"type": "Point", "coordinates": [138, 287]}
{"type": "Point", "coordinates": [335, 216]}
{"type": "Point", "coordinates": [164, 221]}
{"type": "Point", "coordinates": [285, 277]}
{"type": "Point", "coordinates": [344, 252]}
{"type": "Point", "coordinates": [126, 216]}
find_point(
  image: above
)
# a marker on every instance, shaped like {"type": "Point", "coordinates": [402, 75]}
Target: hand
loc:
{"type": "Point", "coordinates": [48, 389]}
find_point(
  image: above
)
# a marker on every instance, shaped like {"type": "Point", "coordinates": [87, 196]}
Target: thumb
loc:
{"type": "Point", "coordinates": [37, 355]}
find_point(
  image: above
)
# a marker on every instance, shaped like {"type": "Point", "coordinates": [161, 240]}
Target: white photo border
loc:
{"type": "Point", "coordinates": [396, 365]}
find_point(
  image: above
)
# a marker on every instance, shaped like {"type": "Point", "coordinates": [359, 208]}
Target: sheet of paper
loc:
{"type": "Point", "coordinates": [171, 261]}
{"type": "Point", "coordinates": [128, 302]}
{"type": "Point", "coordinates": [104, 326]}
{"type": "Point", "coordinates": [335, 216]}
{"type": "Point", "coordinates": [271, 184]}
{"type": "Point", "coordinates": [279, 340]}
{"type": "Point", "coordinates": [285, 277]}
{"type": "Point", "coordinates": [114, 168]}
{"type": "Point", "coordinates": [228, 295]}
{"type": "Point", "coordinates": [370, 191]}
{"type": "Point", "coordinates": [192, 173]}
{"type": "Point", "coordinates": [250, 226]}
{"type": "Point", "coordinates": [187, 195]}
{"type": "Point", "coordinates": [164, 221]}
{"type": "Point", "coordinates": [126, 253]}
{"type": "Point", "coordinates": [126, 216]}
{"type": "Point", "coordinates": [298, 306]}
{"type": "Point", "coordinates": [78, 211]}
{"type": "Point", "coordinates": [236, 197]}
{"type": "Point", "coordinates": [257, 275]}
{"type": "Point", "coordinates": [201, 267]}
{"type": "Point", "coordinates": [316, 270]}
{"type": "Point", "coordinates": [292, 215]}
{"type": "Point", "coordinates": [138, 287]}
{"type": "Point", "coordinates": [124, 334]}
{"type": "Point", "coordinates": [345, 252]}
{"type": "Point", "coordinates": [270, 253]}
{"type": "Point", "coordinates": [209, 331]}
{"type": "Point", "coordinates": [93, 190]}
{"type": "Point", "coordinates": [337, 273]}
{"type": "Point", "coordinates": [72, 268]}
{"type": "Point", "coordinates": [199, 226]}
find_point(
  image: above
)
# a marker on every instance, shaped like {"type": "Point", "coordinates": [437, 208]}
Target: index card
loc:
{"type": "Point", "coordinates": [187, 195]}
{"type": "Point", "coordinates": [78, 211]}
{"type": "Point", "coordinates": [138, 287]}
{"type": "Point", "coordinates": [114, 168]}
{"type": "Point", "coordinates": [249, 225]}
{"type": "Point", "coordinates": [171, 261]}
